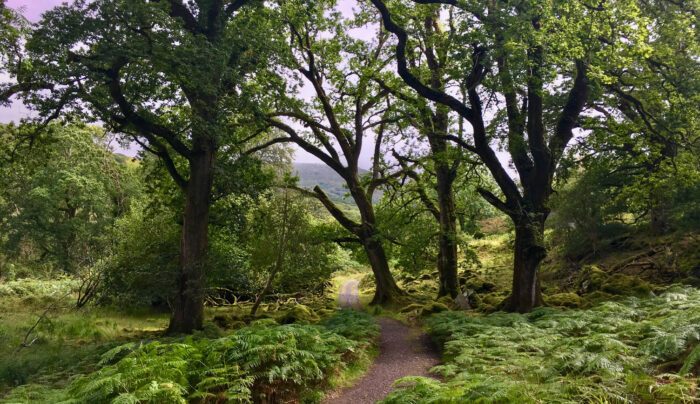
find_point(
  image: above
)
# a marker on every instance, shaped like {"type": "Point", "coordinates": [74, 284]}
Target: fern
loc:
{"type": "Point", "coordinates": [690, 362]}
{"type": "Point", "coordinates": [264, 359]}
{"type": "Point", "coordinates": [606, 354]}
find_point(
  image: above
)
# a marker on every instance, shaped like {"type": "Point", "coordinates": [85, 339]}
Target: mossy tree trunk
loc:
{"type": "Point", "coordinates": [528, 253]}
{"type": "Point", "coordinates": [447, 254]}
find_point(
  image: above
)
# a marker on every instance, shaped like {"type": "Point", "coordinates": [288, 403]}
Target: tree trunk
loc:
{"type": "Point", "coordinates": [658, 216]}
{"type": "Point", "coordinates": [447, 254]}
{"type": "Point", "coordinates": [188, 307]}
{"type": "Point", "coordinates": [386, 291]}
{"type": "Point", "coordinates": [529, 251]}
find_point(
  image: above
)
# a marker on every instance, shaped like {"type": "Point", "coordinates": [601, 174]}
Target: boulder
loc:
{"type": "Point", "coordinates": [299, 313]}
{"type": "Point", "coordinates": [432, 308]}
{"type": "Point", "coordinates": [462, 299]}
{"type": "Point", "coordinates": [565, 300]}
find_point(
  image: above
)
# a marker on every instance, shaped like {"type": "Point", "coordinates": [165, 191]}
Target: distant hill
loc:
{"type": "Point", "coordinates": [311, 174]}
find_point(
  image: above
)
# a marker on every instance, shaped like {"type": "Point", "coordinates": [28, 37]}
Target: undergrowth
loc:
{"type": "Point", "coordinates": [629, 351]}
{"type": "Point", "coordinates": [263, 362]}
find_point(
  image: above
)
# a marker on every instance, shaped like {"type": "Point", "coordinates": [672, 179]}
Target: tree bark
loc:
{"type": "Point", "coordinates": [447, 254]}
{"type": "Point", "coordinates": [658, 215]}
{"type": "Point", "coordinates": [386, 291]}
{"type": "Point", "coordinates": [529, 251]}
{"type": "Point", "coordinates": [188, 307]}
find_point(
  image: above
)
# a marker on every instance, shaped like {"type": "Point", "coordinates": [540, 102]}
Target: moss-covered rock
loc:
{"type": "Point", "coordinates": [323, 313]}
{"type": "Point", "coordinates": [222, 320]}
{"type": "Point", "coordinates": [626, 285]}
{"type": "Point", "coordinates": [492, 299]}
{"type": "Point", "coordinates": [593, 298]}
{"type": "Point", "coordinates": [299, 314]}
{"type": "Point", "coordinates": [692, 281]}
{"type": "Point", "coordinates": [432, 308]}
{"type": "Point", "coordinates": [413, 307]}
{"type": "Point", "coordinates": [446, 300]}
{"type": "Point", "coordinates": [591, 279]}
{"type": "Point", "coordinates": [479, 285]}
{"type": "Point", "coordinates": [565, 300]}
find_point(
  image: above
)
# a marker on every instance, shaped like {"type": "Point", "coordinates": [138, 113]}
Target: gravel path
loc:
{"type": "Point", "coordinates": [403, 351]}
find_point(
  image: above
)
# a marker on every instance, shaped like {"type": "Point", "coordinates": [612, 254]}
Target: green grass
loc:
{"type": "Point", "coordinates": [630, 351]}
{"type": "Point", "coordinates": [66, 341]}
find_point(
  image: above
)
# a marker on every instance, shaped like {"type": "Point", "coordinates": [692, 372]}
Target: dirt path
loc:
{"type": "Point", "coordinates": [403, 351]}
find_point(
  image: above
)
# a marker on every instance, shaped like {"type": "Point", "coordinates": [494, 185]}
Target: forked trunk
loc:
{"type": "Point", "coordinates": [188, 307]}
{"type": "Point", "coordinates": [529, 251]}
{"type": "Point", "coordinates": [387, 291]}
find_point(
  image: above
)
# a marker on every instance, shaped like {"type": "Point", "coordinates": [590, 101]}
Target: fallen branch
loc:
{"type": "Point", "coordinates": [26, 344]}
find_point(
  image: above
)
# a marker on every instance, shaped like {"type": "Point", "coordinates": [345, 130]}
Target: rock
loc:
{"type": "Point", "coordinates": [591, 279]}
{"type": "Point", "coordinates": [480, 285]}
{"type": "Point", "coordinates": [567, 300]}
{"type": "Point", "coordinates": [596, 297]}
{"type": "Point", "coordinates": [222, 321]}
{"type": "Point", "coordinates": [432, 308]}
{"type": "Point", "coordinates": [624, 285]}
{"type": "Point", "coordinates": [413, 307]}
{"type": "Point", "coordinates": [462, 299]}
{"type": "Point", "coordinates": [299, 314]}
{"type": "Point", "coordinates": [692, 281]}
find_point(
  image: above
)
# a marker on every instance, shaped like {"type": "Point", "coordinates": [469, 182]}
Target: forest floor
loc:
{"type": "Point", "coordinates": [403, 351]}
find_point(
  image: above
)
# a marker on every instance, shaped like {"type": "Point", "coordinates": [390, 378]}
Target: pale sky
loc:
{"type": "Point", "coordinates": [32, 10]}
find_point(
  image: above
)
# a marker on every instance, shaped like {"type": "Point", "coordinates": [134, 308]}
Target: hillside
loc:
{"type": "Point", "coordinates": [311, 174]}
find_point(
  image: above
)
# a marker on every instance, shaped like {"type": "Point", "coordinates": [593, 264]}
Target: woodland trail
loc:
{"type": "Point", "coordinates": [403, 351]}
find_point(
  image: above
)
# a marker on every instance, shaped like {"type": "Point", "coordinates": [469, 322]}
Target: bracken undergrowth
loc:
{"type": "Point", "coordinates": [263, 362]}
{"type": "Point", "coordinates": [628, 351]}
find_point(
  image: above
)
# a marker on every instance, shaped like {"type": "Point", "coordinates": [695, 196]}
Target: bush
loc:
{"type": "Point", "coordinates": [38, 288]}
